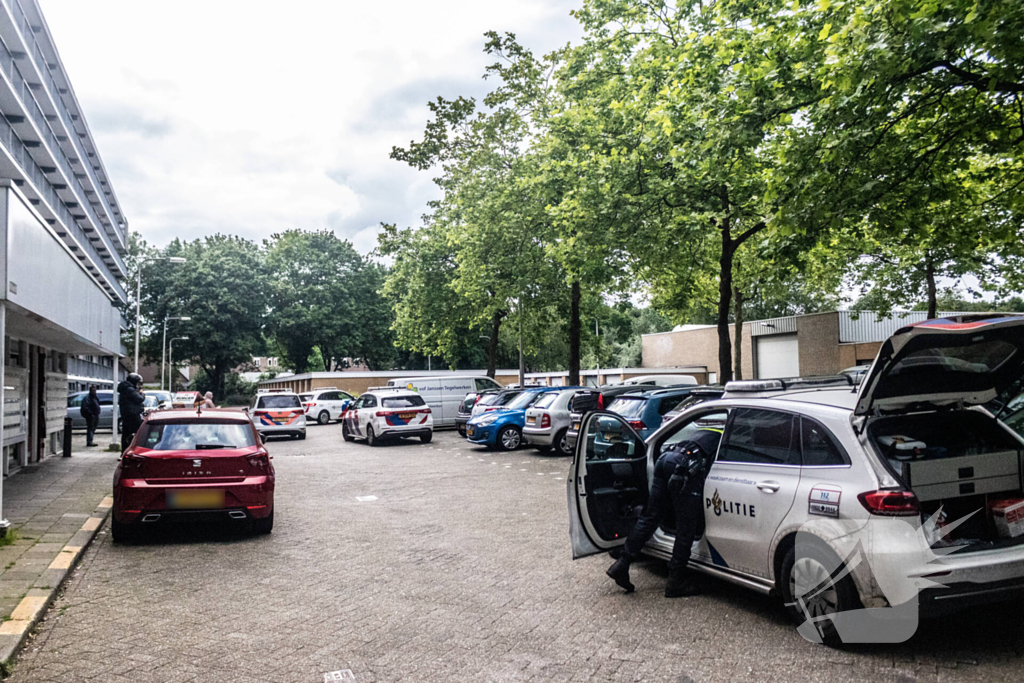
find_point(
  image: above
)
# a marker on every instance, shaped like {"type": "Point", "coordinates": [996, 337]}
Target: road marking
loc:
{"type": "Point", "coordinates": [65, 558]}
{"type": "Point", "coordinates": [540, 474]}
{"type": "Point", "coordinates": [342, 675]}
{"type": "Point", "coordinates": [366, 499]}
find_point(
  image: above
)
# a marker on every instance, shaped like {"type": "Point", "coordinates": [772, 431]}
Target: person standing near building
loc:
{"type": "Point", "coordinates": [132, 401]}
{"type": "Point", "coordinates": [679, 477]}
{"type": "Point", "coordinates": [91, 412]}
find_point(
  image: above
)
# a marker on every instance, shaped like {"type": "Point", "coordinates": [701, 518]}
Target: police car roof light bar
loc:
{"type": "Point", "coordinates": [752, 385]}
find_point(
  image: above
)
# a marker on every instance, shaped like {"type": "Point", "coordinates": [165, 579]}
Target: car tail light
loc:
{"type": "Point", "coordinates": [425, 411]}
{"type": "Point", "coordinates": [545, 420]}
{"type": "Point", "coordinates": [890, 503]}
{"type": "Point", "coordinates": [637, 424]}
{"type": "Point", "coordinates": [487, 410]}
{"type": "Point", "coordinates": [384, 413]}
{"type": "Point", "coordinates": [130, 461]}
{"type": "Point", "coordinates": [307, 406]}
{"type": "Point", "coordinates": [600, 401]}
{"type": "Point", "coordinates": [259, 460]}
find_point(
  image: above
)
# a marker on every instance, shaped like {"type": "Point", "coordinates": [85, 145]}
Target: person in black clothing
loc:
{"type": "Point", "coordinates": [131, 401]}
{"type": "Point", "coordinates": [678, 480]}
{"type": "Point", "coordinates": [91, 412]}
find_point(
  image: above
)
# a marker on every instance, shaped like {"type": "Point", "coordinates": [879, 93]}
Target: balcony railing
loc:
{"type": "Point", "coordinates": [42, 66]}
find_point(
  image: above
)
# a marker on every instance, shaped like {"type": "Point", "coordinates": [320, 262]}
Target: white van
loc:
{"type": "Point", "coordinates": [662, 380]}
{"type": "Point", "coordinates": [444, 394]}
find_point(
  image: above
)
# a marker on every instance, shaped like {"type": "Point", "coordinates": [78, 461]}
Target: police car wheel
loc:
{"type": "Point", "coordinates": [810, 592]}
{"type": "Point", "coordinates": [425, 438]}
{"type": "Point", "coordinates": [345, 434]}
{"type": "Point", "coordinates": [323, 418]}
{"type": "Point", "coordinates": [371, 436]}
{"type": "Point", "coordinates": [509, 438]}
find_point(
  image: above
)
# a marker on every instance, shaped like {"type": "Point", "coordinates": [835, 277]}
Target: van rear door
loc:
{"type": "Point", "coordinates": [453, 390]}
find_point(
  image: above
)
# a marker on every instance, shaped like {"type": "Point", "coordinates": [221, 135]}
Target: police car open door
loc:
{"type": "Point", "coordinates": [607, 484]}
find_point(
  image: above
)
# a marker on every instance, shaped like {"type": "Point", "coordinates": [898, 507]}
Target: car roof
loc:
{"type": "Point", "coordinates": [396, 391]}
{"type": "Point", "coordinates": [211, 414]}
{"type": "Point", "coordinates": [839, 397]}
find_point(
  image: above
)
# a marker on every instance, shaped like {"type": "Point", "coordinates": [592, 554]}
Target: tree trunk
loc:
{"type": "Point", "coordinates": [492, 344]}
{"type": "Point", "coordinates": [574, 334]}
{"type": "Point", "coordinates": [738, 342]}
{"type": "Point", "coordinates": [725, 300]}
{"type": "Point", "coordinates": [929, 275]}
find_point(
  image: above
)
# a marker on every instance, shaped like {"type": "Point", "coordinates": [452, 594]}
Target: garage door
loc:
{"type": "Point", "coordinates": [777, 356]}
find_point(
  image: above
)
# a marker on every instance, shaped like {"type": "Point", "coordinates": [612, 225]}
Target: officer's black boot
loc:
{"type": "Point", "coordinates": [620, 573]}
{"type": "Point", "coordinates": [680, 585]}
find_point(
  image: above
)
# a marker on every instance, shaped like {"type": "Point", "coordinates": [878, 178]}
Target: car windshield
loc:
{"type": "Point", "coordinates": [628, 407]}
{"type": "Point", "coordinates": [306, 398]}
{"type": "Point", "coordinates": [523, 400]}
{"type": "Point", "coordinates": [151, 401]}
{"type": "Point", "coordinates": [191, 436]}
{"type": "Point", "coordinates": [546, 400]}
{"type": "Point", "coordinates": [276, 402]}
{"type": "Point", "coordinates": [411, 401]}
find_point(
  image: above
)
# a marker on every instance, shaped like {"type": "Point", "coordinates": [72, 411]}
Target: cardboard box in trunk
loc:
{"type": "Point", "coordinates": [1008, 516]}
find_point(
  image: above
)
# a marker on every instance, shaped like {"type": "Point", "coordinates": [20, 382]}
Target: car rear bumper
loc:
{"type": "Point", "coordinates": [539, 437]}
{"type": "Point", "coordinates": [136, 498]}
{"type": "Point", "coordinates": [956, 597]}
{"type": "Point", "coordinates": [294, 428]}
{"type": "Point", "coordinates": [407, 431]}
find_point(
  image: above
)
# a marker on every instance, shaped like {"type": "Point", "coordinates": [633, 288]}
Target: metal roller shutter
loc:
{"type": "Point", "coordinates": [778, 355]}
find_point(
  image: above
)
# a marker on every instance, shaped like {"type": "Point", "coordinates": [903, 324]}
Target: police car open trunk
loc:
{"type": "Point", "coordinates": [931, 403]}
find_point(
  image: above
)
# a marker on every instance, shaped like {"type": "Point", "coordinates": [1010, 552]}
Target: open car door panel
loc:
{"type": "Point", "coordinates": [607, 484]}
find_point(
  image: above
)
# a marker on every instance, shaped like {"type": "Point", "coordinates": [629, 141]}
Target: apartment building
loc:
{"type": "Point", "coordinates": [62, 245]}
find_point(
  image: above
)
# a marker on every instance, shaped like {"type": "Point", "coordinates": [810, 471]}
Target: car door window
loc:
{"type": "Point", "coordinates": [820, 448]}
{"type": "Point", "coordinates": [369, 402]}
{"type": "Point", "coordinates": [758, 436]}
{"type": "Point", "coordinates": [609, 439]}
{"type": "Point", "coordinates": [714, 421]}
{"type": "Point", "coordinates": [106, 399]}
{"type": "Point", "coordinates": [76, 401]}
{"type": "Point", "coordinates": [669, 403]}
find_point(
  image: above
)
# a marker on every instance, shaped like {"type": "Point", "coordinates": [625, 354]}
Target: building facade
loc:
{"type": "Point", "coordinates": [793, 346]}
{"type": "Point", "coordinates": [62, 246]}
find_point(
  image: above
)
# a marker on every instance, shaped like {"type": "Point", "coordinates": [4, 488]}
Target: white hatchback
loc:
{"type": "Point", "coordinates": [383, 413]}
{"type": "Point", "coordinates": [325, 404]}
{"type": "Point", "coordinates": [863, 507]}
{"type": "Point", "coordinates": [547, 422]}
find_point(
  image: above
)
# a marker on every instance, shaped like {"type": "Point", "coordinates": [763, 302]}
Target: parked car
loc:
{"type": "Point", "coordinates": [496, 401]}
{"type": "Point", "coordinates": [184, 465]}
{"type": "Point", "coordinates": [587, 400]}
{"type": "Point", "coordinates": [503, 428]}
{"type": "Point", "coordinates": [645, 411]}
{"type": "Point", "coordinates": [106, 409]}
{"type": "Point", "coordinates": [165, 399]}
{"type": "Point", "coordinates": [325, 404]}
{"type": "Point", "coordinates": [912, 442]}
{"type": "Point", "coordinates": [547, 422]}
{"type": "Point", "coordinates": [700, 394]}
{"type": "Point", "coordinates": [444, 394]}
{"type": "Point", "coordinates": [661, 381]}
{"type": "Point", "coordinates": [857, 372]}
{"type": "Point", "coordinates": [384, 412]}
{"type": "Point", "coordinates": [279, 412]}
{"type": "Point", "coordinates": [184, 399]}
{"type": "Point", "coordinates": [466, 408]}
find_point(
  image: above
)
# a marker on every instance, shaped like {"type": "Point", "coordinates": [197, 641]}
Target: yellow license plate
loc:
{"type": "Point", "coordinates": [407, 416]}
{"type": "Point", "coordinates": [575, 426]}
{"type": "Point", "coordinates": [531, 420]}
{"type": "Point", "coordinates": [195, 499]}
{"type": "Point", "coordinates": [470, 430]}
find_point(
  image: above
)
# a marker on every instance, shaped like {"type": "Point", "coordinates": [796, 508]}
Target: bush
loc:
{"type": "Point", "coordinates": [235, 400]}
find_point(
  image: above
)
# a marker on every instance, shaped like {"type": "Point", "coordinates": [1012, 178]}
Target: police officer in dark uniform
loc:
{"type": "Point", "coordinates": [131, 402]}
{"type": "Point", "coordinates": [678, 479]}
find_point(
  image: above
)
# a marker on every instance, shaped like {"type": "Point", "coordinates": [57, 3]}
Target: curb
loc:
{"type": "Point", "coordinates": [33, 606]}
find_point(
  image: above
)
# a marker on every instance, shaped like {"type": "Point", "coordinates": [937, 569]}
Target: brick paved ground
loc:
{"type": "Point", "coordinates": [459, 571]}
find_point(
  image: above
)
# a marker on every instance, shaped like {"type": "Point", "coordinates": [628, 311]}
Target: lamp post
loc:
{"type": "Point", "coordinates": [170, 362]}
{"type": "Point", "coordinates": [163, 345]}
{"type": "Point", "coordinates": [138, 300]}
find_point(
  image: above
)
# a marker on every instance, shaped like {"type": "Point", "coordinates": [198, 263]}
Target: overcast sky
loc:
{"type": "Point", "coordinates": [250, 117]}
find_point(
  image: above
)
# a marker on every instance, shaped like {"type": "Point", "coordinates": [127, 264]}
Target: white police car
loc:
{"type": "Point", "coordinates": [862, 507]}
{"type": "Point", "coordinates": [325, 404]}
{"type": "Point", "coordinates": [278, 412]}
{"type": "Point", "coordinates": [382, 413]}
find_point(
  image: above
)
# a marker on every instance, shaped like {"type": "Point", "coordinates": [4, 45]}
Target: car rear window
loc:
{"type": "Point", "coordinates": [190, 436]}
{"type": "Point", "coordinates": [275, 402]}
{"type": "Point", "coordinates": [412, 401]}
{"type": "Point", "coordinates": [546, 400]}
{"type": "Point", "coordinates": [306, 398]}
{"type": "Point", "coordinates": [628, 407]}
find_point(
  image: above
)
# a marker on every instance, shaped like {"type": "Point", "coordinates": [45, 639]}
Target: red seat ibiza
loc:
{"type": "Point", "coordinates": [191, 465]}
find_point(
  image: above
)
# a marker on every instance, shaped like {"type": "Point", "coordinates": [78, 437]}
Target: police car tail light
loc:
{"type": "Point", "coordinates": [890, 503]}
{"type": "Point", "coordinates": [545, 420]}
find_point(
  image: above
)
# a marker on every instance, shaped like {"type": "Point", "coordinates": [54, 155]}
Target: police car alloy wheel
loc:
{"type": "Point", "coordinates": [323, 418]}
{"type": "Point", "coordinates": [371, 436]}
{"type": "Point", "coordinates": [810, 591]}
{"type": "Point", "coordinates": [345, 434]}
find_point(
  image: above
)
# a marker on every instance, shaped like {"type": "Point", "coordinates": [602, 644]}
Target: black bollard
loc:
{"type": "Point", "coordinates": [67, 436]}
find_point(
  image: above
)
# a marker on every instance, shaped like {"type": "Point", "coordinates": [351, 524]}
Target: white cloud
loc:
{"type": "Point", "coordinates": [254, 117]}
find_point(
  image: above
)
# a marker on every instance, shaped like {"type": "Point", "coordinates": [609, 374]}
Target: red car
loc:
{"type": "Point", "coordinates": [191, 465]}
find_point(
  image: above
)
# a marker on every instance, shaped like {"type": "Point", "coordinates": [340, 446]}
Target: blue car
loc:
{"type": "Point", "coordinates": [503, 429]}
{"type": "Point", "coordinates": [646, 411]}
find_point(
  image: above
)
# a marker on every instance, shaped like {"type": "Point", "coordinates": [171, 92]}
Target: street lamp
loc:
{"type": "Point", "coordinates": [138, 300]}
{"type": "Point", "coordinates": [170, 361]}
{"type": "Point", "coordinates": [163, 345]}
